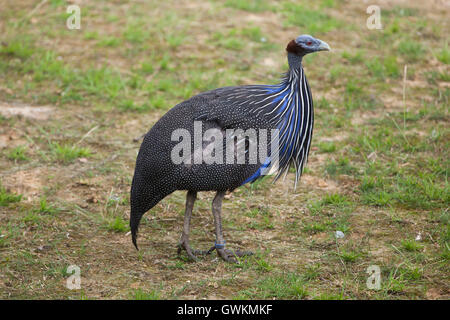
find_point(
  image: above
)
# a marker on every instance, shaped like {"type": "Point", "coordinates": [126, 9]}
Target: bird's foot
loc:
{"type": "Point", "coordinates": [226, 254]}
{"type": "Point", "coordinates": [192, 253]}
{"type": "Point", "coordinates": [232, 255]}
{"type": "Point", "coordinates": [184, 245]}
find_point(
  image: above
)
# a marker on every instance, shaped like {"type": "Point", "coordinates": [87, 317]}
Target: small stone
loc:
{"type": "Point", "coordinates": [43, 248]}
{"type": "Point", "coordinates": [339, 234]}
{"type": "Point", "coordinates": [372, 157]}
{"type": "Point", "coordinates": [114, 197]}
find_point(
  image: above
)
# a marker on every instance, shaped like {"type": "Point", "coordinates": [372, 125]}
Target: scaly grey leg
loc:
{"type": "Point", "coordinates": [184, 241]}
{"type": "Point", "coordinates": [225, 254]}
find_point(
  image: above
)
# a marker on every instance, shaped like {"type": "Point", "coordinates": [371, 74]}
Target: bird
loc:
{"type": "Point", "coordinates": [285, 108]}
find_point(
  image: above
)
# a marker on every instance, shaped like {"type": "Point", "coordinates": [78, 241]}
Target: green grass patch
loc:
{"type": "Point", "coordinates": [341, 166]}
{"type": "Point", "coordinates": [18, 154]}
{"type": "Point", "coordinates": [45, 207]}
{"type": "Point", "coordinates": [283, 286]}
{"type": "Point", "coordinates": [141, 294]}
{"type": "Point", "coordinates": [249, 5]}
{"type": "Point", "coordinates": [443, 55]}
{"type": "Point", "coordinates": [382, 68]}
{"type": "Point", "coordinates": [411, 245]}
{"type": "Point", "coordinates": [109, 42]}
{"type": "Point", "coordinates": [68, 153]}
{"type": "Point", "coordinates": [411, 50]}
{"type": "Point", "coordinates": [315, 227]}
{"type": "Point", "coordinates": [20, 47]}
{"type": "Point", "coordinates": [6, 197]}
{"type": "Point", "coordinates": [326, 147]}
{"type": "Point", "coordinates": [349, 256]}
{"type": "Point", "coordinates": [310, 20]}
{"type": "Point", "coordinates": [405, 190]}
{"type": "Point", "coordinates": [117, 224]}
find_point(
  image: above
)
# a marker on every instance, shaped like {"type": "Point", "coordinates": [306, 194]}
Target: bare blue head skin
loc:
{"type": "Point", "coordinates": [303, 45]}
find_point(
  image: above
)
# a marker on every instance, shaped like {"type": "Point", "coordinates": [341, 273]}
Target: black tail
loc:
{"type": "Point", "coordinates": [135, 219]}
{"type": "Point", "coordinates": [147, 189]}
{"type": "Point", "coordinates": [141, 202]}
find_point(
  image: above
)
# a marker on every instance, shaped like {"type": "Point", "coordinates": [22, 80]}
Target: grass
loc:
{"type": "Point", "coordinates": [118, 225]}
{"type": "Point", "coordinates": [251, 6]}
{"type": "Point", "coordinates": [327, 147]}
{"type": "Point", "coordinates": [349, 256]}
{"type": "Point", "coordinates": [68, 153]}
{"type": "Point", "coordinates": [311, 20]}
{"type": "Point", "coordinates": [341, 166]}
{"type": "Point", "coordinates": [18, 154]}
{"type": "Point", "coordinates": [411, 245]}
{"type": "Point", "coordinates": [283, 286]}
{"type": "Point", "coordinates": [443, 55]}
{"type": "Point", "coordinates": [381, 69]}
{"type": "Point", "coordinates": [411, 50]}
{"type": "Point", "coordinates": [45, 207]}
{"type": "Point", "coordinates": [377, 170]}
{"type": "Point", "coordinates": [407, 191]}
{"type": "Point", "coordinates": [140, 294]}
{"type": "Point", "coordinates": [6, 197]}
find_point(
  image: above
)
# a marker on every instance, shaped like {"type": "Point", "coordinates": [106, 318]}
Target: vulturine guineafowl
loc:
{"type": "Point", "coordinates": [285, 108]}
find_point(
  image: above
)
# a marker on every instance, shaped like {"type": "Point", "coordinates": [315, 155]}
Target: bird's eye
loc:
{"type": "Point", "coordinates": [309, 43]}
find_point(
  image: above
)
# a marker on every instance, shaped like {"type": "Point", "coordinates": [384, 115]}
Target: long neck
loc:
{"type": "Point", "coordinates": [295, 117]}
{"type": "Point", "coordinates": [289, 108]}
{"type": "Point", "coordinates": [295, 61]}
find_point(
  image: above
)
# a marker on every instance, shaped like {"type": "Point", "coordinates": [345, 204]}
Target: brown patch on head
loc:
{"type": "Point", "coordinates": [292, 47]}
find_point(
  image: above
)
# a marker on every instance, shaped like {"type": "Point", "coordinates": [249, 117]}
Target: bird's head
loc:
{"type": "Point", "coordinates": [305, 44]}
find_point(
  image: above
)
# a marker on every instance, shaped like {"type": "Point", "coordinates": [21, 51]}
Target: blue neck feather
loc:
{"type": "Point", "coordinates": [289, 106]}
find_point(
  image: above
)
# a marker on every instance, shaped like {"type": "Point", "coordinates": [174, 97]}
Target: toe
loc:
{"type": "Point", "coordinates": [238, 253]}
{"type": "Point", "coordinates": [184, 246]}
{"type": "Point", "coordinates": [227, 255]}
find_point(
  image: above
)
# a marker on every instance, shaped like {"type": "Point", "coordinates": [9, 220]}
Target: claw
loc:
{"type": "Point", "coordinates": [192, 253]}
{"type": "Point", "coordinates": [225, 254]}
{"type": "Point", "coordinates": [204, 252]}
{"type": "Point", "coordinates": [231, 256]}
{"type": "Point", "coordinates": [185, 245]}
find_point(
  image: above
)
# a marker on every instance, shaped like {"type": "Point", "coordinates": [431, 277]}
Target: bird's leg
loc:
{"type": "Point", "coordinates": [184, 241]}
{"type": "Point", "coordinates": [225, 254]}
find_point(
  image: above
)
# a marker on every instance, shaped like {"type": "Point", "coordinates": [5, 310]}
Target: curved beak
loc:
{"type": "Point", "coordinates": [323, 46]}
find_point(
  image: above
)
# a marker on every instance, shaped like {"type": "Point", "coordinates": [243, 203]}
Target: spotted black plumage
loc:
{"type": "Point", "coordinates": [287, 106]}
